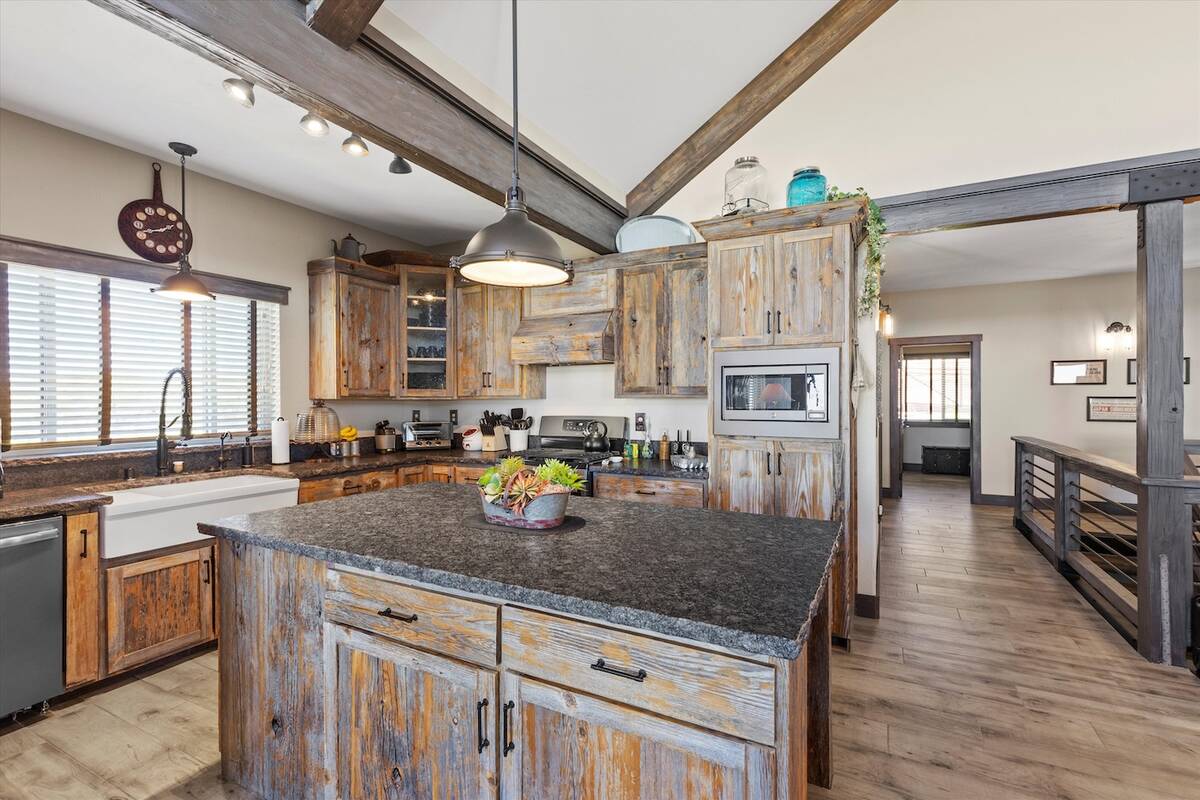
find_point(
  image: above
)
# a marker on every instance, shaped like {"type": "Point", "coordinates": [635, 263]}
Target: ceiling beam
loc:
{"type": "Point", "coordinates": [783, 76]}
{"type": "Point", "coordinates": [1060, 193]}
{"type": "Point", "coordinates": [367, 90]}
{"type": "Point", "coordinates": [340, 21]}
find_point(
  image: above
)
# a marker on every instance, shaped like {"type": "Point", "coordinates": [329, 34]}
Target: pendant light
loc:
{"type": "Point", "coordinates": [513, 251]}
{"type": "Point", "coordinates": [183, 285]}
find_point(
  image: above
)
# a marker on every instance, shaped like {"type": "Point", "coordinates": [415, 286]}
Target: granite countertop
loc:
{"type": "Point", "coordinates": [650, 468]}
{"type": "Point", "coordinates": [306, 470]}
{"type": "Point", "coordinates": [28, 503]}
{"type": "Point", "coordinates": [741, 581]}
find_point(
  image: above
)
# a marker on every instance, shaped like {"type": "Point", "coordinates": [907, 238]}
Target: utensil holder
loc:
{"type": "Point", "coordinates": [518, 440]}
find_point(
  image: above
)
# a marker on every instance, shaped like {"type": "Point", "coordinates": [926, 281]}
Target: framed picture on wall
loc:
{"type": "Point", "coordinates": [1131, 370]}
{"type": "Point", "coordinates": [1111, 409]}
{"type": "Point", "coordinates": [1082, 372]}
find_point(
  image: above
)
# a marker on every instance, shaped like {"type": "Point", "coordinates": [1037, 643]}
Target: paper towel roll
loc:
{"type": "Point", "coordinates": [280, 448]}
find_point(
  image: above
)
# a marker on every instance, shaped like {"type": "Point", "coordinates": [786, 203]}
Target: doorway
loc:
{"type": "Point", "coordinates": [935, 394]}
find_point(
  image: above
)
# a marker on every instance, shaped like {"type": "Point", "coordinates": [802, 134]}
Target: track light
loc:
{"type": "Point", "coordinates": [399, 166]}
{"type": "Point", "coordinates": [313, 125]}
{"type": "Point", "coordinates": [354, 145]}
{"type": "Point", "coordinates": [241, 90]}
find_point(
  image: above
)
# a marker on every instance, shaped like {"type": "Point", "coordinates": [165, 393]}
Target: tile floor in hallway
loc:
{"type": "Point", "coordinates": [987, 678]}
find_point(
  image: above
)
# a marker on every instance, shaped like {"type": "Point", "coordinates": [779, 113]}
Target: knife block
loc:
{"type": "Point", "coordinates": [496, 441]}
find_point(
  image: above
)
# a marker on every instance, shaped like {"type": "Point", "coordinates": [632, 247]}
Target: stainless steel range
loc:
{"type": "Point", "coordinates": [562, 437]}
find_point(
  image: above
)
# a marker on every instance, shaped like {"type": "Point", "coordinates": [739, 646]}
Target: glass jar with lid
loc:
{"type": "Point", "coordinates": [807, 186]}
{"type": "Point", "coordinates": [745, 187]}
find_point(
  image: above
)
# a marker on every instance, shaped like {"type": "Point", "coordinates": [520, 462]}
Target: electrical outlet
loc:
{"type": "Point", "coordinates": [454, 416]}
{"type": "Point", "coordinates": [639, 421]}
{"type": "Point", "coordinates": [416, 414]}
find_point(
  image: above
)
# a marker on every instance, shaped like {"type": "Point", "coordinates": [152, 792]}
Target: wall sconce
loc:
{"type": "Point", "coordinates": [887, 322]}
{"type": "Point", "coordinates": [1117, 334]}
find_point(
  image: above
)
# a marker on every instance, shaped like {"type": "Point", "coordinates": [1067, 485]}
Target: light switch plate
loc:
{"type": "Point", "coordinates": [416, 414]}
{"type": "Point", "coordinates": [454, 416]}
{"type": "Point", "coordinates": [639, 421]}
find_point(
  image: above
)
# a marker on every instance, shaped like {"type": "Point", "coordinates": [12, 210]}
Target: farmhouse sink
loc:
{"type": "Point", "coordinates": [151, 517]}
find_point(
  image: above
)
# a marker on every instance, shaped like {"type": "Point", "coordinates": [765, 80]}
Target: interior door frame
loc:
{"type": "Point", "coordinates": [895, 443]}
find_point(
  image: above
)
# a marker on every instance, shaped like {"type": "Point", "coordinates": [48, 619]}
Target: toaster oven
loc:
{"type": "Point", "coordinates": [426, 436]}
{"type": "Point", "coordinates": [792, 393]}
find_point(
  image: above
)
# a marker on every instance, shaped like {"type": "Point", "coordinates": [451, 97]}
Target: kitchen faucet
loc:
{"type": "Point", "coordinates": [185, 429]}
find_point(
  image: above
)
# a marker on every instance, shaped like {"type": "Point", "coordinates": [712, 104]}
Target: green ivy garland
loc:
{"type": "Point", "coordinates": [876, 228]}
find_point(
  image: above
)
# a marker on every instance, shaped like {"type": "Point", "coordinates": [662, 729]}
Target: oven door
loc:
{"type": "Point", "coordinates": [788, 393]}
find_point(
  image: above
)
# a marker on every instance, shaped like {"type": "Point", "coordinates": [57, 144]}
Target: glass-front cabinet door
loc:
{"type": "Point", "coordinates": [426, 332]}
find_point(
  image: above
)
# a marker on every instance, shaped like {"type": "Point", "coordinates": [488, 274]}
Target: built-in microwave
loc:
{"type": "Point", "coordinates": [788, 393]}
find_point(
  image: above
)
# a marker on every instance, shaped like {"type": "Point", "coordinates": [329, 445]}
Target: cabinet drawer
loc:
{"type": "Point", "coordinates": [468, 474]}
{"type": "Point", "coordinates": [664, 491]}
{"type": "Point", "coordinates": [453, 626]}
{"type": "Point", "coordinates": [715, 691]}
{"type": "Point", "coordinates": [344, 486]}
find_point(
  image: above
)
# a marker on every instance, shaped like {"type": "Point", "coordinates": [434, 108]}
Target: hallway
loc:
{"type": "Point", "coordinates": [988, 676]}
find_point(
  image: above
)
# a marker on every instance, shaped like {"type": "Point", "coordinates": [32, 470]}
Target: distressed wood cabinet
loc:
{"type": "Point", "coordinates": [352, 330]}
{"type": "Point", "coordinates": [661, 491]}
{"type": "Point", "coordinates": [785, 477]}
{"type": "Point", "coordinates": [662, 330]}
{"type": "Point", "coordinates": [590, 290]}
{"type": "Point", "coordinates": [409, 725]}
{"type": "Point", "coordinates": [425, 322]}
{"type": "Point", "coordinates": [345, 485]}
{"type": "Point", "coordinates": [487, 317]}
{"type": "Point", "coordinates": [158, 606]}
{"type": "Point", "coordinates": [82, 635]}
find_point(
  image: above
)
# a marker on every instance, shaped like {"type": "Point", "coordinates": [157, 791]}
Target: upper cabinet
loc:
{"type": "Point", "coordinates": [662, 329]}
{"type": "Point", "coordinates": [590, 290]}
{"type": "Point", "coordinates": [487, 317]}
{"type": "Point", "coordinates": [352, 330]}
{"type": "Point", "coordinates": [426, 332]}
{"type": "Point", "coordinates": [785, 288]}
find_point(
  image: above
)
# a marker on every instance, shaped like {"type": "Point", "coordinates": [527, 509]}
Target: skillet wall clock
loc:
{"type": "Point", "coordinates": [153, 229]}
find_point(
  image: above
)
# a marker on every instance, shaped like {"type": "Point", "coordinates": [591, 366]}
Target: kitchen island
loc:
{"type": "Point", "coordinates": [384, 645]}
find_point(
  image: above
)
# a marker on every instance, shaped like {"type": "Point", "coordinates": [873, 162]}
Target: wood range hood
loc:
{"type": "Point", "coordinates": [567, 339]}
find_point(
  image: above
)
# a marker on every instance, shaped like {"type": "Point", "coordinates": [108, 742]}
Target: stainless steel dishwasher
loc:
{"type": "Point", "coordinates": [31, 613]}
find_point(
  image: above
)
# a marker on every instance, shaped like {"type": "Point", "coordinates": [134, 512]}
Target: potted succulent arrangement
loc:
{"type": "Point", "coordinates": [518, 496]}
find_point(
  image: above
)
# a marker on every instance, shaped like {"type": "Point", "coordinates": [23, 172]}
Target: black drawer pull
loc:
{"type": "Point", "coordinates": [638, 676]}
{"type": "Point", "coordinates": [84, 533]}
{"type": "Point", "coordinates": [508, 742]}
{"type": "Point", "coordinates": [387, 612]}
{"type": "Point", "coordinates": [643, 491]}
{"type": "Point", "coordinates": [479, 712]}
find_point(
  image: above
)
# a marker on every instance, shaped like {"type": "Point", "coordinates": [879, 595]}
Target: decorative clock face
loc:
{"type": "Point", "coordinates": [154, 230]}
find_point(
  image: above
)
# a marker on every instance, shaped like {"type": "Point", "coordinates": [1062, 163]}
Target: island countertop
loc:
{"type": "Point", "coordinates": [741, 581]}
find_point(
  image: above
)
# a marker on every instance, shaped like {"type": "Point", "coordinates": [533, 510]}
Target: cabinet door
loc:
{"type": "Point", "coordinates": [809, 269]}
{"type": "Point", "coordinates": [640, 322]}
{"type": "Point", "coordinates": [468, 475]}
{"type": "Point", "coordinates": [589, 291]}
{"type": "Point", "coordinates": [471, 316]}
{"type": "Point", "coordinates": [365, 337]}
{"type": "Point", "coordinates": [504, 317]}
{"type": "Point", "coordinates": [687, 329]}
{"type": "Point", "coordinates": [426, 354]}
{"type": "Point", "coordinates": [83, 599]}
{"type": "Point", "coordinates": [159, 606]}
{"type": "Point", "coordinates": [743, 475]}
{"type": "Point", "coordinates": [407, 476]}
{"type": "Point", "coordinates": [409, 725]}
{"type": "Point", "coordinates": [740, 273]}
{"type": "Point", "coordinates": [441, 473]}
{"type": "Point", "coordinates": [806, 479]}
{"type": "Point", "coordinates": [559, 743]}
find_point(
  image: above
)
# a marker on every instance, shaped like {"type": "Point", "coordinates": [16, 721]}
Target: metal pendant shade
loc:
{"type": "Point", "coordinates": [183, 285]}
{"type": "Point", "coordinates": [513, 251]}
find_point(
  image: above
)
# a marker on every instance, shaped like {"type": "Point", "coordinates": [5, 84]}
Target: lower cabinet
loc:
{"type": "Point", "coordinates": [407, 476]}
{"type": "Point", "coordinates": [785, 477]}
{"type": "Point", "coordinates": [660, 491]}
{"type": "Point", "coordinates": [346, 485]}
{"type": "Point", "coordinates": [441, 473]}
{"type": "Point", "coordinates": [159, 606]}
{"type": "Point", "coordinates": [557, 743]}
{"type": "Point", "coordinates": [468, 474]}
{"type": "Point", "coordinates": [82, 633]}
{"type": "Point", "coordinates": [409, 725]}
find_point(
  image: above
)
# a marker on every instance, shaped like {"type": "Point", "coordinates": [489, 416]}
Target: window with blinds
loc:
{"type": "Point", "coordinates": [87, 357]}
{"type": "Point", "coordinates": [936, 389]}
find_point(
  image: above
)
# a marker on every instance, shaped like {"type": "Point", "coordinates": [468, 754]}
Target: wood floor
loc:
{"type": "Point", "coordinates": [987, 677]}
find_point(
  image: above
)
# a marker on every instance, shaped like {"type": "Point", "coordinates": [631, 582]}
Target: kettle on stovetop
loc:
{"type": "Point", "coordinates": [596, 440]}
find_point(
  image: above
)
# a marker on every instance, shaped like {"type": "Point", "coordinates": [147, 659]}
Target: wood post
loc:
{"type": "Point", "coordinates": [1164, 526]}
{"type": "Point", "coordinates": [1066, 482]}
{"type": "Point", "coordinates": [1021, 461]}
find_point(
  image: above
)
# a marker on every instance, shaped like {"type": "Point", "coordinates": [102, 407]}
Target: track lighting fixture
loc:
{"type": "Point", "coordinates": [313, 125]}
{"type": "Point", "coordinates": [354, 145]}
{"type": "Point", "coordinates": [399, 166]}
{"type": "Point", "coordinates": [241, 90]}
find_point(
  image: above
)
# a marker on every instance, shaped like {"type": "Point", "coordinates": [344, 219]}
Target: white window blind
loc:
{"type": "Point", "coordinates": [54, 356]}
{"type": "Point", "coordinates": [936, 388]}
{"type": "Point", "coordinates": [59, 389]}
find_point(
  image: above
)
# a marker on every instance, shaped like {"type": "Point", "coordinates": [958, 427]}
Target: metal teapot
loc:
{"type": "Point", "coordinates": [349, 248]}
{"type": "Point", "coordinates": [596, 440]}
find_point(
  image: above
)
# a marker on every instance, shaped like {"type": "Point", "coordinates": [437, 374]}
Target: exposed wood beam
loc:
{"type": "Point", "coordinates": [367, 90]}
{"type": "Point", "coordinates": [340, 21]}
{"type": "Point", "coordinates": [1078, 190]}
{"type": "Point", "coordinates": [783, 76]}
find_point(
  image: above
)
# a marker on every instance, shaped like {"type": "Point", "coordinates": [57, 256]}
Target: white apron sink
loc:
{"type": "Point", "coordinates": [151, 517]}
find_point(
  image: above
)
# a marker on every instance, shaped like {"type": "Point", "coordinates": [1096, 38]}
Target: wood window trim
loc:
{"type": "Point", "coordinates": [52, 256]}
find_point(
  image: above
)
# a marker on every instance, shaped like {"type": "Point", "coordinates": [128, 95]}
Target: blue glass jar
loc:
{"type": "Point", "coordinates": [807, 186]}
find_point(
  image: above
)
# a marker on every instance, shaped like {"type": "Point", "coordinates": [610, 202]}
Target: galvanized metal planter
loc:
{"type": "Point", "coordinates": [543, 512]}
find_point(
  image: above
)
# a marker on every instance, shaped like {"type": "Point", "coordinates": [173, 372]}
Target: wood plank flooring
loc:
{"type": "Point", "coordinates": [988, 677]}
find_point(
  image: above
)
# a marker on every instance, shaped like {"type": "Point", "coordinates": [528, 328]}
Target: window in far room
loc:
{"type": "Point", "coordinates": [936, 388]}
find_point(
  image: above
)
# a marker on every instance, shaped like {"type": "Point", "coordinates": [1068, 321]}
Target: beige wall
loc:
{"type": "Point", "coordinates": [1024, 327]}
{"type": "Point", "coordinates": [63, 188]}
